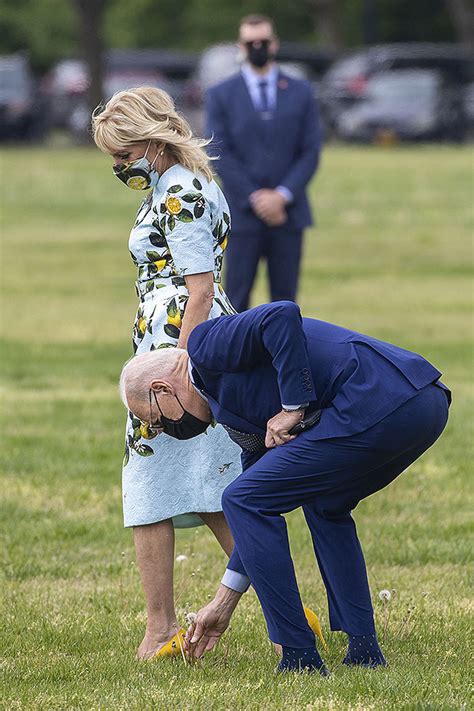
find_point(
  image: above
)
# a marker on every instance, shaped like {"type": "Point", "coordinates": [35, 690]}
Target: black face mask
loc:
{"type": "Point", "coordinates": [259, 56]}
{"type": "Point", "coordinates": [186, 427]}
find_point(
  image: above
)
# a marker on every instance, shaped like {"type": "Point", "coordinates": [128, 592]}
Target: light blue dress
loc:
{"type": "Point", "coordinates": [181, 228]}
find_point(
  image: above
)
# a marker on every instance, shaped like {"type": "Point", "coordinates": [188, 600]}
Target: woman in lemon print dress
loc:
{"type": "Point", "coordinates": [177, 244]}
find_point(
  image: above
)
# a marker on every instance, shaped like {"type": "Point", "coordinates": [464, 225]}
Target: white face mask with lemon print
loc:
{"type": "Point", "coordinates": [138, 174]}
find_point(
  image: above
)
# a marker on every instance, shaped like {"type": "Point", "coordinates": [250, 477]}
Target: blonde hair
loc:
{"type": "Point", "coordinates": [147, 113]}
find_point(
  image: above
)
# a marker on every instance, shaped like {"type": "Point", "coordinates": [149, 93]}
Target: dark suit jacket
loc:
{"type": "Point", "coordinates": [248, 364]}
{"type": "Point", "coordinates": [256, 153]}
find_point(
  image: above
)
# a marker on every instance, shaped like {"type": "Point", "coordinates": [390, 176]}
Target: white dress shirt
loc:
{"type": "Point", "coordinates": [253, 80]}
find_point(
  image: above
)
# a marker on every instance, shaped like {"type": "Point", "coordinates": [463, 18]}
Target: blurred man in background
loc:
{"type": "Point", "coordinates": [266, 132]}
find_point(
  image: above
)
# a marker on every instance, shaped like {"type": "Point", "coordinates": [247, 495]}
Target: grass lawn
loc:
{"type": "Point", "coordinates": [391, 256]}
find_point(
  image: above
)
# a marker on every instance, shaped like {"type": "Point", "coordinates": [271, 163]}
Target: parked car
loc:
{"type": "Point", "coordinates": [174, 67]}
{"type": "Point", "coordinates": [64, 86]}
{"type": "Point", "coordinates": [67, 82]}
{"type": "Point", "coordinates": [469, 109]}
{"type": "Point", "coordinates": [406, 104]}
{"type": "Point", "coordinates": [79, 120]}
{"type": "Point", "coordinates": [220, 61]}
{"type": "Point", "coordinates": [22, 115]}
{"type": "Point", "coordinates": [347, 81]}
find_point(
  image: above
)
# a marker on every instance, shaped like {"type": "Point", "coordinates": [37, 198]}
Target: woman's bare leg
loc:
{"type": "Point", "coordinates": [218, 525]}
{"type": "Point", "coordinates": [154, 546]}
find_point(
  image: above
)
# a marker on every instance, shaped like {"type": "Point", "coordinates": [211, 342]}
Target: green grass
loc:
{"type": "Point", "coordinates": [391, 256]}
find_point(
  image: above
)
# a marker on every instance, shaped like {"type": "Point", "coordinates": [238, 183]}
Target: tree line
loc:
{"type": "Point", "coordinates": [54, 29]}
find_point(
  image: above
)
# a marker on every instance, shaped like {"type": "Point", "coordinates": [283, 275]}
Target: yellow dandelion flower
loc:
{"type": "Point", "coordinates": [141, 325]}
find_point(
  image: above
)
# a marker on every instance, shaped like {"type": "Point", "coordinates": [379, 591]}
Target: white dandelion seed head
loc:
{"type": "Point", "coordinates": [191, 617]}
{"type": "Point", "coordinates": [385, 595]}
{"type": "Point", "coordinates": [181, 558]}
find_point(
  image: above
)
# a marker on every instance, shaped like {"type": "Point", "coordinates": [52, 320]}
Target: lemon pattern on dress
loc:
{"type": "Point", "coordinates": [179, 230]}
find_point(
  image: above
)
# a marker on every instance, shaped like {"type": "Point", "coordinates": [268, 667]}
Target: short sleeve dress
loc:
{"type": "Point", "coordinates": [181, 228]}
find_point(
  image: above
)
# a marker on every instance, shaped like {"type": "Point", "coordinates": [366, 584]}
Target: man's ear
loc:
{"type": "Point", "coordinates": [161, 387]}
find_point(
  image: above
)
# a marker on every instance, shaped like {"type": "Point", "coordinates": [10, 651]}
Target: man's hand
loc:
{"type": "Point", "coordinates": [269, 206]}
{"type": "Point", "coordinates": [211, 622]}
{"type": "Point", "coordinates": [279, 426]}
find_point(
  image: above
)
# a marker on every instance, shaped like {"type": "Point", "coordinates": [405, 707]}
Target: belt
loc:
{"type": "Point", "coordinates": [256, 442]}
{"type": "Point", "coordinates": [249, 441]}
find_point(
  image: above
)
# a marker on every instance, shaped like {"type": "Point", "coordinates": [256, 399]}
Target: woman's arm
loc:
{"type": "Point", "coordinates": [201, 295]}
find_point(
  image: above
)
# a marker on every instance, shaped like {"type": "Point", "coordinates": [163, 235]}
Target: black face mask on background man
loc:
{"type": "Point", "coordinates": [259, 55]}
{"type": "Point", "coordinates": [186, 427]}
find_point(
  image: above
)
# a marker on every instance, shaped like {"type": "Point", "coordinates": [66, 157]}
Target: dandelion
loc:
{"type": "Point", "coordinates": [385, 596]}
{"type": "Point", "coordinates": [191, 618]}
{"type": "Point", "coordinates": [181, 558]}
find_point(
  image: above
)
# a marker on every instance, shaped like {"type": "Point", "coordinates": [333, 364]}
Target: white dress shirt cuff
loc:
{"type": "Point", "coordinates": [295, 407]}
{"type": "Point", "coordinates": [284, 192]}
{"type": "Point", "coordinates": [235, 581]}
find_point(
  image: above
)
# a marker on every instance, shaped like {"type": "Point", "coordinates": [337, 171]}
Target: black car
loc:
{"type": "Point", "coordinates": [348, 79]}
{"type": "Point", "coordinates": [22, 114]}
{"type": "Point", "coordinates": [408, 105]}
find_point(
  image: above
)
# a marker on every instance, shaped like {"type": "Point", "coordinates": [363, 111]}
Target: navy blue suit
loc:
{"type": "Point", "coordinates": [255, 153]}
{"type": "Point", "coordinates": [382, 407]}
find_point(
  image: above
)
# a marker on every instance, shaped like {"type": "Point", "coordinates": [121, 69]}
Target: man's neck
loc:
{"type": "Point", "coordinates": [261, 71]}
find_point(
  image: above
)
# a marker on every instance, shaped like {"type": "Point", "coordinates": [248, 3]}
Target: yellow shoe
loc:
{"type": "Point", "coordinates": [174, 647]}
{"type": "Point", "coordinates": [315, 625]}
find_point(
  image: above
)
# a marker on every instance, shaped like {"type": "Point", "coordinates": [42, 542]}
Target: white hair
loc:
{"type": "Point", "coordinates": [139, 371]}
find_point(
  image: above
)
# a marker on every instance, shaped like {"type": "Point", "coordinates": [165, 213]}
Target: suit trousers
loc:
{"type": "Point", "coordinates": [327, 478]}
{"type": "Point", "coordinates": [282, 250]}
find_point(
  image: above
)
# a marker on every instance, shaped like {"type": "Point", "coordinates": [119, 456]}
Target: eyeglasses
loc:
{"type": "Point", "coordinates": [157, 424]}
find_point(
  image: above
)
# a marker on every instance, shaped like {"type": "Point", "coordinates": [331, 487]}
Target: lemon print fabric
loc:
{"type": "Point", "coordinates": [137, 182]}
{"type": "Point", "coordinates": [173, 205]}
{"type": "Point", "coordinates": [182, 228]}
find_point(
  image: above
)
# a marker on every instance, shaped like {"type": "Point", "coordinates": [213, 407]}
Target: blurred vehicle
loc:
{"type": "Point", "coordinates": [174, 67]}
{"type": "Point", "coordinates": [66, 84]}
{"type": "Point", "coordinates": [469, 109]}
{"type": "Point", "coordinates": [411, 104]}
{"type": "Point", "coordinates": [21, 111]}
{"type": "Point", "coordinates": [221, 61]}
{"type": "Point", "coordinates": [115, 81]}
{"type": "Point", "coordinates": [347, 80]}
{"type": "Point", "coordinates": [79, 120]}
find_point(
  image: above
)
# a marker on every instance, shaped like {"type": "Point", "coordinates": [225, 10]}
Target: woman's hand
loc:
{"type": "Point", "coordinates": [199, 304]}
{"type": "Point", "coordinates": [278, 427]}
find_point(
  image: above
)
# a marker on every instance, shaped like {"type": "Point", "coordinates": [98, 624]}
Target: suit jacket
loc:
{"type": "Point", "coordinates": [248, 364]}
{"type": "Point", "coordinates": [256, 153]}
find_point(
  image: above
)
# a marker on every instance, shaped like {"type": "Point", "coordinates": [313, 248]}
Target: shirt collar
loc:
{"type": "Point", "coordinates": [253, 78]}
{"type": "Point", "coordinates": [190, 373]}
